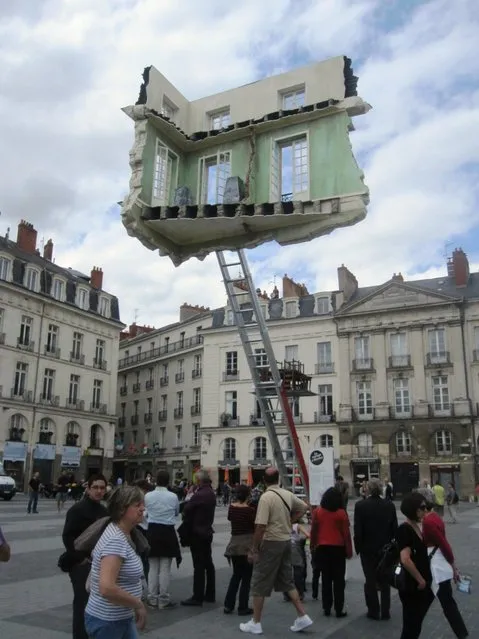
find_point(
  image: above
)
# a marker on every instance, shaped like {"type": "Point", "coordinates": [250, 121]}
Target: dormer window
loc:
{"type": "Point", "coordinates": [4, 268]}
{"type": "Point", "coordinates": [293, 99]}
{"type": "Point", "coordinates": [220, 119]}
{"type": "Point", "coordinates": [31, 279]}
{"type": "Point", "coordinates": [104, 307]}
{"type": "Point", "coordinates": [168, 109]}
{"type": "Point", "coordinates": [58, 290]}
{"type": "Point", "coordinates": [83, 299]}
{"type": "Point", "coordinates": [322, 305]}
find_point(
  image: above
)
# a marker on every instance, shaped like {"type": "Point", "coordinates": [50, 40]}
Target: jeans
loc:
{"type": "Point", "coordinates": [32, 501]}
{"type": "Point", "coordinates": [316, 574]}
{"type": "Point", "coordinates": [159, 577]}
{"type": "Point", "coordinates": [100, 629]}
{"type": "Point", "coordinates": [240, 579]}
{"type": "Point", "coordinates": [203, 570]}
{"type": "Point", "coordinates": [332, 560]}
{"type": "Point", "coordinates": [414, 609]}
{"type": "Point", "coordinates": [78, 577]}
{"type": "Point", "coordinates": [452, 512]}
{"type": "Point", "coordinates": [370, 564]}
{"type": "Point", "coordinates": [451, 611]}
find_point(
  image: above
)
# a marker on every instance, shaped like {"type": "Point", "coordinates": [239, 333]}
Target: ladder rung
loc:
{"type": "Point", "coordinates": [232, 264]}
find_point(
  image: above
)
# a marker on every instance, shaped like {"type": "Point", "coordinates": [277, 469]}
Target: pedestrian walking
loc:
{"type": "Point", "coordinates": [33, 492]}
{"type": "Point", "coordinates": [439, 498]}
{"type": "Point", "coordinates": [62, 490]}
{"type": "Point", "coordinates": [5, 552]}
{"type": "Point", "coordinates": [299, 537]}
{"type": "Point", "coordinates": [271, 552]}
{"type": "Point", "coordinates": [331, 544]}
{"type": "Point", "coordinates": [452, 499]}
{"type": "Point", "coordinates": [375, 525]}
{"type": "Point", "coordinates": [343, 488]}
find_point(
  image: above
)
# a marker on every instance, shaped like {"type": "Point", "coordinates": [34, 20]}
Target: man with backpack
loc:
{"type": "Point", "coordinates": [375, 525]}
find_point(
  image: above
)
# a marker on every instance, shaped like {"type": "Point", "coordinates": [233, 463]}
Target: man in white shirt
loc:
{"type": "Point", "coordinates": [162, 507]}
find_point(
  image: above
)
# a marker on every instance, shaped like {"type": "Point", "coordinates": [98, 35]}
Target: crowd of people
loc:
{"type": "Point", "coordinates": [121, 543]}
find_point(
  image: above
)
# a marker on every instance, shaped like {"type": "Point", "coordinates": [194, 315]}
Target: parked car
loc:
{"type": "Point", "coordinates": [8, 488]}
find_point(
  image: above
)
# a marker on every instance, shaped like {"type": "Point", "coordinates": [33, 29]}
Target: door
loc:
{"type": "Point", "coordinates": [404, 477]}
{"type": "Point", "coordinates": [360, 474]}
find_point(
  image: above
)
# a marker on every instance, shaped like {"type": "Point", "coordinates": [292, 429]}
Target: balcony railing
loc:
{"type": "Point", "coordinates": [134, 420]}
{"type": "Point", "coordinates": [179, 377]}
{"type": "Point", "coordinates": [174, 347]}
{"type": "Point", "coordinates": [148, 418]}
{"type": "Point", "coordinates": [77, 358]}
{"type": "Point", "coordinates": [150, 384]}
{"type": "Point", "coordinates": [196, 409]}
{"type": "Point", "coordinates": [99, 363]}
{"type": "Point", "coordinates": [49, 400]}
{"type": "Point", "coordinates": [438, 358]}
{"type": "Point", "coordinates": [196, 372]}
{"type": "Point", "coordinates": [363, 364]}
{"type": "Point", "coordinates": [365, 452]}
{"type": "Point", "coordinates": [136, 387]}
{"type": "Point", "coordinates": [162, 415]}
{"type": "Point", "coordinates": [364, 415]}
{"type": "Point", "coordinates": [25, 344]}
{"type": "Point", "coordinates": [287, 197]}
{"type": "Point", "coordinates": [52, 351]}
{"type": "Point", "coordinates": [231, 375]}
{"type": "Point", "coordinates": [164, 381]}
{"type": "Point", "coordinates": [121, 422]}
{"type": "Point", "coordinates": [123, 390]}
{"type": "Point", "coordinates": [322, 418]}
{"type": "Point", "coordinates": [256, 421]}
{"type": "Point", "coordinates": [324, 368]}
{"type": "Point", "coordinates": [178, 412]}
{"type": "Point", "coordinates": [71, 439]}
{"type": "Point", "coordinates": [21, 395]}
{"type": "Point", "coordinates": [229, 422]}
{"type": "Point", "coordinates": [400, 361]}
{"type": "Point", "coordinates": [97, 407]}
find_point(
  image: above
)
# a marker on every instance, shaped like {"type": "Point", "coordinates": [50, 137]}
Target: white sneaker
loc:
{"type": "Point", "coordinates": [252, 627]}
{"type": "Point", "coordinates": [301, 623]}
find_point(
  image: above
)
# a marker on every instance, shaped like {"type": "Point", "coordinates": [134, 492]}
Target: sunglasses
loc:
{"type": "Point", "coordinates": [423, 507]}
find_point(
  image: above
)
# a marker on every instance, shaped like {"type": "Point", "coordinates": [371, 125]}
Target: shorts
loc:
{"type": "Point", "coordinates": [100, 629]}
{"type": "Point", "coordinates": [273, 569]}
{"type": "Point", "coordinates": [61, 496]}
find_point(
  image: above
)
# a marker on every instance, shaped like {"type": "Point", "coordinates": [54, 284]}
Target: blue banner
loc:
{"type": "Point", "coordinates": [71, 456]}
{"type": "Point", "coordinates": [15, 451]}
{"type": "Point", "coordinates": [44, 451]}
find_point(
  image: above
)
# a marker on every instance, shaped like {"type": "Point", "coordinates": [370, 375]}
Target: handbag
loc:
{"type": "Point", "coordinates": [401, 580]}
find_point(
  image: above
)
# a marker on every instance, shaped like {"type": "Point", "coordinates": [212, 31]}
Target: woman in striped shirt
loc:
{"type": "Point", "coordinates": [115, 577]}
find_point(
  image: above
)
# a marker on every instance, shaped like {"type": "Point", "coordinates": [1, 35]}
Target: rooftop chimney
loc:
{"type": "Point", "coordinates": [458, 268]}
{"type": "Point", "coordinates": [397, 277]}
{"type": "Point", "coordinates": [27, 237]}
{"type": "Point", "coordinates": [292, 288]}
{"type": "Point", "coordinates": [96, 278]}
{"type": "Point", "coordinates": [347, 283]}
{"type": "Point", "coordinates": [48, 251]}
{"type": "Point", "coordinates": [187, 311]}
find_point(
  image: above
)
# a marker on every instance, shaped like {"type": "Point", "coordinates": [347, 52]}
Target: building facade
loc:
{"type": "Point", "coordinates": [159, 400]}
{"type": "Point", "coordinates": [275, 152]}
{"type": "Point", "coordinates": [59, 335]}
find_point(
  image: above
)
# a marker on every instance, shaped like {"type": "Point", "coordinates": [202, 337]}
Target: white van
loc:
{"type": "Point", "coordinates": [8, 487]}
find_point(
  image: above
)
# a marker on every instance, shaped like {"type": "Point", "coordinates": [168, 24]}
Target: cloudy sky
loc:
{"type": "Point", "coordinates": [68, 66]}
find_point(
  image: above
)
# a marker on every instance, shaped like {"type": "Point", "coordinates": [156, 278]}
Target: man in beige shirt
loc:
{"type": "Point", "coordinates": [277, 510]}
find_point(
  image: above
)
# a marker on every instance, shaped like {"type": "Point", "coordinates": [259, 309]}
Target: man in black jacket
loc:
{"type": "Point", "coordinates": [80, 517]}
{"type": "Point", "coordinates": [375, 525]}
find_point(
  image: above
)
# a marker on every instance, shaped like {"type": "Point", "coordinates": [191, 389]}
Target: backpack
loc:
{"type": "Point", "coordinates": [455, 499]}
{"type": "Point", "coordinates": [389, 559]}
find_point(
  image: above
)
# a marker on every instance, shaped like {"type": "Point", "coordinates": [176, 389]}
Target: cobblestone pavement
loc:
{"type": "Point", "coordinates": [35, 597]}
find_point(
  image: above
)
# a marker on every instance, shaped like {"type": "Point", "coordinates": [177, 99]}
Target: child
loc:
{"type": "Point", "coordinates": [299, 537]}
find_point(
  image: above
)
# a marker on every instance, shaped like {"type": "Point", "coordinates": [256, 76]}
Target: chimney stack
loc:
{"type": "Point", "coordinates": [188, 311]}
{"type": "Point", "coordinates": [458, 268]}
{"type": "Point", "coordinates": [292, 288]}
{"type": "Point", "coordinates": [397, 277]}
{"type": "Point", "coordinates": [96, 278]}
{"type": "Point", "coordinates": [347, 283]}
{"type": "Point", "coordinates": [27, 237]}
{"type": "Point", "coordinates": [48, 251]}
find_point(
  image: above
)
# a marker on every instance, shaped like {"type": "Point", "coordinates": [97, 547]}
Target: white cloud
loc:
{"type": "Point", "coordinates": [66, 69]}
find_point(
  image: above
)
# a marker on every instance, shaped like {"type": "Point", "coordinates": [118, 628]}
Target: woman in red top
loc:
{"type": "Point", "coordinates": [331, 544]}
{"type": "Point", "coordinates": [434, 536]}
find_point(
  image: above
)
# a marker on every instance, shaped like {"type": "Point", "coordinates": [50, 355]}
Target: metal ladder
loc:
{"type": "Point", "coordinates": [269, 389]}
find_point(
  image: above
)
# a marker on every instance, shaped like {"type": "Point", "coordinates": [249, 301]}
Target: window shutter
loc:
{"type": "Point", "coordinates": [274, 195]}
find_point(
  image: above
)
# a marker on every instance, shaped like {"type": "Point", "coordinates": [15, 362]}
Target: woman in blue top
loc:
{"type": "Point", "coordinates": [115, 577]}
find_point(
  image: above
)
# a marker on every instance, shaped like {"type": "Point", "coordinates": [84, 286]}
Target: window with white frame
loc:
{"type": "Point", "coordinates": [77, 346]}
{"type": "Point", "coordinates": [365, 399]}
{"type": "Point", "coordinates": [260, 449]}
{"type": "Point", "coordinates": [162, 437]}
{"type": "Point", "coordinates": [443, 442]}
{"type": "Point", "coordinates": [52, 339]}
{"type": "Point", "coordinates": [260, 357]}
{"type": "Point", "coordinates": [229, 317]}
{"type": "Point", "coordinates": [291, 309]}
{"type": "Point", "coordinates": [197, 364]}
{"type": "Point", "coordinates": [168, 109]}
{"type": "Point", "coordinates": [403, 443]}
{"type": "Point", "coordinates": [214, 171]}
{"type": "Point", "coordinates": [100, 352]}
{"type": "Point", "coordinates": [232, 363]}
{"type": "Point", "coordinates": [48, 383]}
{"type": "Point", "coordinates": [322, 305]}
{"type": "Point", "coordinates": [326, 441]}
{"type": "Point", "coordinates": [291, 353]}
{"type": "Point", "coordinates": [325, 356]}
{"type": "Point", "coordinates": [437, 345]}
{"type": "Point", "coordinates": [440, 390]}
{"type": "Point", "coordinates": [231, 404]}
{"type": "Point", "coordinates": [83, 299]}
{"type": "Point", "coordinates": [362, 352]}
{"type": "Point", "coordinates": [164, 173]}
{"type": "Point", "coordinates": [97, 391]}
{"type": "Point", "coordinates": [293, 99]}
{"type": "Point", "coordinates": [229, 448]}
{"type": "Point", "coordinates": [20, 383]}
{"type": "Point", "coordinates": [476, 342]}
{"type": "Point", "coordinates": [4, 268]}
{"type": "Point", "coordinates": [164, 402]}
{"type": "Point", "coordinates": [196, 434]}
{"type": "Point", "coordinates": [178, 436]}
{"type": "Point", "coordinates": [365, 444]}
{"type": "Point", "coordinates": [31, 279]}
{"type": "Point", "coordinates": [325, 394]}
{"type": "Point", "coordinates": [287, 449]}
{"type": "Point", "coordinates": [295, 407]}
{"type": "Point", "coordinates": [399, 349]}
{"type": "Point", "coordinates": [220, 119]}
{"type": "Point", "coordinates": [179, 401]}
{"type": "Point", "coordinates": [58, 289]}
{"type": "Point", "coordinates": [74, 389]}
{"type": "Point", "coordinates": [402, 399]}
{"type": "Point", "coordinates": [197, 399]}
{"type": "Point", "coordinates": [290, 169]}
{"type": "Point", "coordinates": [25, 336]}
{"type": "Point", "coordinates": [180, 367]}
{"type": "Point", "coordinates": [104, 307]}
{"type": "Point", "coordinates": [2, 319]}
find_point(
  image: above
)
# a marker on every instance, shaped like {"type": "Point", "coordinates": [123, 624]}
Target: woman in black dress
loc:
{"type": "Point", "coordinates": [418, 596]}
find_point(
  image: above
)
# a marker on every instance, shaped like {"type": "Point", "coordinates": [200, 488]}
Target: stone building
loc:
{"type": "Point", "coordinates": [59, 334]}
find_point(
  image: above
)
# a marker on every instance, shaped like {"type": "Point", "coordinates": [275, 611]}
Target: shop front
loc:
{"type": "Point", "coordinates": [229, 471]}
{"type": "Point", "coordinates": [364, 469]}
{"type": "Point", "coordinates": [256, 469]}
{"type": "Point", "coordinates": [14, 461]}
{"type": "Point", "coordinates": [446, 474]}
{"type": "Point", "coordinates": [177, 471]}
{"type": "Point", "coordinates": [404, 477]}
{"type": "Point", "coordinates": [44, 462]}
{"type": "Point", "coordinates": [93, 462]}
{"type": "Point", "coordinates": [71, 460]}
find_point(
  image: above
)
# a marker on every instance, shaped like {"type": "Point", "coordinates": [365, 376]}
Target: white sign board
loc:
{"type": "Point", "coordinates": [321, 473]}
